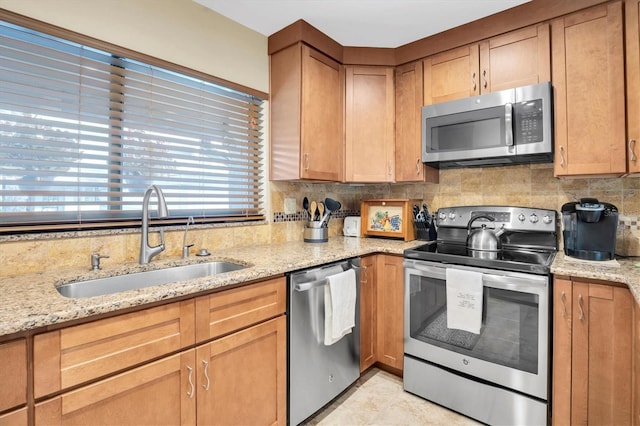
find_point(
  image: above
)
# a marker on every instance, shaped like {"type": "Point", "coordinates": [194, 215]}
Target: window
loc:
{"type": "Point", "coordinates": [84, 132]}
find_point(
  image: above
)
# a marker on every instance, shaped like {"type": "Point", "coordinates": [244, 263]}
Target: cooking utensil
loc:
{"type": "Point", "coordinates": [332, 205]}
{"type": "Point", "coordinates": [320, 208]}
{"type": "Point", "coordinates": [305, 206]}
{"type": "Point", "coordinates": [314, 208]}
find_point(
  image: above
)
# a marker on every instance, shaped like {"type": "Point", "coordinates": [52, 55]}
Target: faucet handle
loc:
{"type": "Point", "coordinates": [95, 260]}
{"type": "Point", "coordinates": [185, 250]}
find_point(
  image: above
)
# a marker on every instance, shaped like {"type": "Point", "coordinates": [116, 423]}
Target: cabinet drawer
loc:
{"type": "Point", "coordinates": [222, 313]}
{"type": "Point", "coordinates": [74, 355]}
{"type": "Point", "coordinates": [13, 374]}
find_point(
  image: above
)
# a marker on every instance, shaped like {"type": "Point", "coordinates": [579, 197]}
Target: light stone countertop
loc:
{"type": "Point", "coordinates": [627, 273]}
{"type": "Point", "coordinates": [31, 301]}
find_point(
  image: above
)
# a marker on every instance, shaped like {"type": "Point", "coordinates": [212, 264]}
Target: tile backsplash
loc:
{"type": "Point", "coordinates": [523, 185]}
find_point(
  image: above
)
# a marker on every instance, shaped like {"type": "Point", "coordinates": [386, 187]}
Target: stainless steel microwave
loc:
{"type": "Point", "coordinates": [511, 126]}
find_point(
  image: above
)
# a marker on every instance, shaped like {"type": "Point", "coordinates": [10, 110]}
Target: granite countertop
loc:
{"type": "Point", "coordinates": [628, 271]}
{"type": "Point", "coordinates": [31, 301]}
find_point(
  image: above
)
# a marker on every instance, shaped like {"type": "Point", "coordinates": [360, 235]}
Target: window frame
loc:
{"type": "Point", "coordinates": [126, 222]}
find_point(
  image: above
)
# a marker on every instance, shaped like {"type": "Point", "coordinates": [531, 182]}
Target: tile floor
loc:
{"type": "Point", "coordinates": [377, 398]}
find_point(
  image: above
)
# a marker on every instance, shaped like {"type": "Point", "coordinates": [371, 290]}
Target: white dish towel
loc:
{"type": "Point", "coordinates": [464, 300]}
{"type": "Point", "coordinates": [339, 306]}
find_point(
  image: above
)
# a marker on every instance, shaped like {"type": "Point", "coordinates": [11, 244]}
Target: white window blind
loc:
{"type": "Point", "coordinates": [84, 132]}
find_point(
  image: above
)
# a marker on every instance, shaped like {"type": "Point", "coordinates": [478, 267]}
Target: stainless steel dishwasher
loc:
{"type": "Point", "coordinates": [317, 373]}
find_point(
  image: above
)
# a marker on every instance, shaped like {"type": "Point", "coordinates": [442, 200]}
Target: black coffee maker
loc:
{"type": "Point", "coordinates": [589, 229]}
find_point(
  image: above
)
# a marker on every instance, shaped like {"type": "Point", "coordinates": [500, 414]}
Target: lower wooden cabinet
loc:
{"type": "Point", "coordinates": [382, 312]}
{"type": "Point", "coordinates": [157, 393]}
{"type": "Point", "coordinates": [16, 417]}
{"type": "Point", "coordinates": [13, 375]}
{"type": "Point", "coordinates": [592, 354]}
{"type": "Point", "coordinates": [390, 307]}
{"type": "Point", "coordinates": [242, 379]}
{"type": "Point", "coordinates": [368, 312]}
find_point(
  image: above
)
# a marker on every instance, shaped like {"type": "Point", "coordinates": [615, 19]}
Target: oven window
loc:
{"type": "Point", "coordinates": [509, 332]}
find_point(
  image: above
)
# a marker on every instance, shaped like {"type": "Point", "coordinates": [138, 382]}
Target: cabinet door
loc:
{"type": "Point", "coordinates": [13, 374]}
{"type": "Point", "coordinates": [390, 314]}
{"type": "Point", "coordinates": [632, 31]}
{"type": "Point", "coordinates": [369, 124]}
{"type": "Point", "coordinates": [601, 355]}
{"type": "Point", "coordinates": [242, 377]}
{"type": "Point", "coordinates": [561, 375]}
{"type": "Point", "coordinates": [306, 112]}
{"type": "Point", "coordinates": [452, 75]}
{"type": "Point", "coordinates": [588, 78]}
{"type": "Point", "coordinates": [518, 58]}
{"type": "Point", "coordinates": [408, 161]}
{"type": "Point", "coordinates": [162, 392]}
{"type": "Point", "coordinates": [74, 355]}
{"type": "Point", "coordinates": [368, 315]}
{"type": "Point", "coordinates": [14, 418]}
{"type": "Point", "coordinates": [230, 310]}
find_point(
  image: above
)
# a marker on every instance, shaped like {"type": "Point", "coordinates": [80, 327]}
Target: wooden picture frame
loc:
{"type": "Point", "coordinates": [389, 218]}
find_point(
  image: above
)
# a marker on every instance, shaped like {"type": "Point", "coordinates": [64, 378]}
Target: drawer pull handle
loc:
{"type": "Point", "coordinates": [564, 304]}
{"type": "Point", "coordinates": [205, 364]}
{"type": "Point", "coordinates": [632, 149]}
{"type": "Point", "coordinates": [580, 307]}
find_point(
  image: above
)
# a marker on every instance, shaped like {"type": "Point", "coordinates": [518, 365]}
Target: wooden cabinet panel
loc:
{"type": "Point", "coordinates": [408, 140]}
{"type": "Point", "coordinates": [518, 58]}
{"type": "Point", "coordinates": [368, 312]}
{"type": "Point", "coordinates": [588, 77]}
{"type": "Point", "coordinates": [452, 75]}
{"type": "Point", "coordinates": [306, 112]}
{"type": "Point", "coordinates": [13, 374]}
{"type": "Point", "coordinates": [632, 46]}
{"type": "Point", "coordinates": [230, 310]}
{"type": "Point", "coordinates": [591, 380]}
{"type": "Point", "coordinates": [245, 381]}
{"type": "Point", "coordinates": [369, 124]}
{"type": "Point", "coordinates": [390, 316]}
{"type": "Point", "coordinates": [157, 393]}
{"type": "Point", "coordinates": [14, 418]}
{"type": "Point", "coordinates": [85, 352]}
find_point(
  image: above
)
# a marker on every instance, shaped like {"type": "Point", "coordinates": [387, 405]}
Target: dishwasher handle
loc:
{"type": "Point", "coordinates": [318, 283]}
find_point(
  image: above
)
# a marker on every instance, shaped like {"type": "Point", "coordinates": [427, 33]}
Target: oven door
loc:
{"type": "Point", "coordinates": [511, 349]}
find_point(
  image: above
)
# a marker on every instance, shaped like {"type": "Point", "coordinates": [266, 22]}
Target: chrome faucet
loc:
{"type": "Point", "coordinates": [147, 252]}
{"type": "Point", "coordinates": [185, 247]}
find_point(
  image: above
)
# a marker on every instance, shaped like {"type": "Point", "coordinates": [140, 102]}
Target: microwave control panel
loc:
{"type": "Point", "coordinates": [529, 122]}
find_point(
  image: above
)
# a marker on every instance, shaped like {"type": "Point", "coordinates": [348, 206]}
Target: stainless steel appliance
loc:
{"type": "Point", "coordinates": [505, 127]}
{"type": "Point", "coordinates": [589, 229]}
{"type": "Point", "coordinates": [501, 374]}
{"type": "Point", "coordinates": [317, 373]}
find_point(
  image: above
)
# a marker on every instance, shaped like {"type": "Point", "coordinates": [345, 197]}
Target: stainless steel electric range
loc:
{"type": "Point", "coordinates": [477, 314]}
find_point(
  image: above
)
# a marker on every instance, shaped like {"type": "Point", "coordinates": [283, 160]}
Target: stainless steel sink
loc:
{"type": "Point", "coordinates": [137, 280]}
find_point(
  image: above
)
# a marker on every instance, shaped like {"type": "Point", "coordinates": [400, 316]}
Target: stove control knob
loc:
{"type": "Point", "coordinates": [452, 215]}
{"type": "Point", "coordinates": [521, 217]}
{"type": "Point", "coordinates": [442, 216]}
{"type": "Point", "coordinates": [533, 218]}
{"type": "Point", "coordinates": [546, 219]}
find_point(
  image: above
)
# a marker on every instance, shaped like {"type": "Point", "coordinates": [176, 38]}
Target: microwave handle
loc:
{"type": "Point", "coordinates": [508, 124]}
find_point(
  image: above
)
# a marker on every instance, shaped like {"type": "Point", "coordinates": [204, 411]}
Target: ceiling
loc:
{"type": "Point", "coordinates": [360, 23]}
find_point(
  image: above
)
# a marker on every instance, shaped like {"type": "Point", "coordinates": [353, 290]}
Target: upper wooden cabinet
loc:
{"type": "Point", "coordinates": [369, 124]}
{"type": "Point", "coordinates": [592, 354]}
{"type": "Point", "coordinates": [408, 159]}
{"type": "Point", "coordinates": [588, 77]}
{"type": "Point", "coordinates": [632, 31]}
{"type": "Point", "coordinates": [306, 109]}
{"type": "Point", "coordinates": [515, 59]}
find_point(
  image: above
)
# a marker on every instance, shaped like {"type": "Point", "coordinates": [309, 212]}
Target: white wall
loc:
{"type": "Point", "coordinates": [180, 31]}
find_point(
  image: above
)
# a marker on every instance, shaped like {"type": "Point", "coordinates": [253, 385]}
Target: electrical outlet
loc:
{"type": "Point", "coordinates": [289, 206]}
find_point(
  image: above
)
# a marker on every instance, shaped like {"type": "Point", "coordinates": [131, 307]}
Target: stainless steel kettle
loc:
{"type": "Point", "coordinates": [482, 242]}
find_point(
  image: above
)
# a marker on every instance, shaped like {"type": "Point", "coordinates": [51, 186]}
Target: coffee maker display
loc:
{"type": "Point", "coordinates": [589, 229]}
